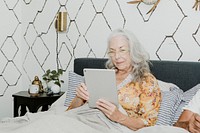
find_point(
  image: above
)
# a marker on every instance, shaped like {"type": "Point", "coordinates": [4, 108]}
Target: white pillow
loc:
{"type": "Point", "coordinates": [73, 81]}
{"type": "Point", "coordinates": [165, 86]}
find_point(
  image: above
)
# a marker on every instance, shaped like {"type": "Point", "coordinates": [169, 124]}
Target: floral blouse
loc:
{"type": "Point", "coordinates": [141, 99]}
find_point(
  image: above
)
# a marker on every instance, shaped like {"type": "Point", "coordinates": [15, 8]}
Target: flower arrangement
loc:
{"type": "Point", "coordinates": [53, 75]}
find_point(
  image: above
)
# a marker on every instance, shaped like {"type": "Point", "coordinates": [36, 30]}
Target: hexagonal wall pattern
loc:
{"type": "Point", "coordinates": [168, 47]}
{"type": "Point", "coordinates": [196, 35]}
{"type": "Point", "coordinates": [85, 16]}
{"type": "Point", "coordinates": [4, 86]}
{"type": "Point", "coordinates": [40, 47]}
{"type": "Point", "coordinates": [65, 56]}
{"type": "Point", "coordinates": [73, 33]}
{"type": "Point", "coordinates": [9, 21]}
{"type": "Point", "coordinates": [30, 34]}
{"type": "Point", "coordinates": [9, 48]}
{"type": "Point", "coordinates": [3, 62]}
{"type": "Point", "coordinates": [29, 43]}
{"type": "Point", "coordinates": [11, 74]}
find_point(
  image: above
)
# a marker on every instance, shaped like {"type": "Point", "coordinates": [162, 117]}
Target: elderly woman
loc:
{"type": "Point", "coordinates": [138, 91]}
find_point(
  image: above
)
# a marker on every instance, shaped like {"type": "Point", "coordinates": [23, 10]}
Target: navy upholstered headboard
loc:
{"type": "Point", "coordinates": [183, 74]}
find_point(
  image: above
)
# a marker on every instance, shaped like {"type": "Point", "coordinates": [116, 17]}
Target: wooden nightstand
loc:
{"type": "Point", "coordinates": [24, 100]}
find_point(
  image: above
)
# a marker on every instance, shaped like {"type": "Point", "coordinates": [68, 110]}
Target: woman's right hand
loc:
{"type": "Point", "coordinates": [81, 92]}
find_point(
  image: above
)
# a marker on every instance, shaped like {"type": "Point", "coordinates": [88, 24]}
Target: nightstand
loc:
{"type": "Point", "coordinates": [33, 103]}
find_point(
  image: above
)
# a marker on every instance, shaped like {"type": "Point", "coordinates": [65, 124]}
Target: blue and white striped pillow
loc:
{"type": "Point", "coordinates": [73, 81]}
{"type": "Point", "coordinates": [187, 96]}
{"type": "Point", "coordinates": [170, 102]}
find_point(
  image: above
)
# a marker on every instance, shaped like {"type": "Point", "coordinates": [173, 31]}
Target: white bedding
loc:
{"type": "Point", "coordinates": [83, 120]}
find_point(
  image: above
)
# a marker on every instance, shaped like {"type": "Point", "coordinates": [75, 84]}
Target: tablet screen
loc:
{"type": "Point", "coordinates": [101, 83]}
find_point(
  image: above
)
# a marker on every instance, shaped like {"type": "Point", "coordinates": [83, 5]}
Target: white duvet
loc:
{"type": "Point", "coordinates": [83, 120]}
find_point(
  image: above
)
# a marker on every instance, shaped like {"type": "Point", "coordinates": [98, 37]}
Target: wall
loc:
{"type": "Point", "coordinates": [29, 43]}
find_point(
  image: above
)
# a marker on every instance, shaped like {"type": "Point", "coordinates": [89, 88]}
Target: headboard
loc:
{"type": "Point", "coordinates": [183, 74]}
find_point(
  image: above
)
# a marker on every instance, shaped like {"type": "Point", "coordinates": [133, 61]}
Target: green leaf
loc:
{"type": "Point", "coordinates": [60, 71]}
{"type": "Point", "coordinates": [44, 75]}
{"type": "Point", "coordinates": [48, 71]}
{"type": "Point", "coordinates": [45, 78]}
{"type": "Point", "coordinates": [58, 83]}
{"type": "Point", "coordinates": [53, 72]}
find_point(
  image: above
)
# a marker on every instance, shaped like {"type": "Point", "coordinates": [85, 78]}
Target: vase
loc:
{"type": "Point", "coordinates": [50, 84]}
{"type": "Point", "coordinates": [55, 89]}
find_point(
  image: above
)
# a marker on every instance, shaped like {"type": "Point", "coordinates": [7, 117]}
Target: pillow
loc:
{"type": "Point", "coordinates": [73, 81]}
{"type": "Point", "coordinates": [165, 86]}
{"type": "Point", "coordinates": [170, 101]}
{"type": "Point", "coordinates": [187, 96]}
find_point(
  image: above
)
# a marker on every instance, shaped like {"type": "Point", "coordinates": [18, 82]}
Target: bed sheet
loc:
{"type": "Point", "coordinates": [84, 120]}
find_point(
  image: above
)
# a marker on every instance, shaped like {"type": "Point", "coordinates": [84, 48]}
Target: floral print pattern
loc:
{"type": "Point", "coordinates": [141, 99]}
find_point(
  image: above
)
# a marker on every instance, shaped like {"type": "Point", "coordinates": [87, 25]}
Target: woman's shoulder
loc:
{"type": "Point", "coordinates": [149, 75]}
{"type": "Point", "coordinates": [151, 81]}
{"type": "Point", "coordinates": [149, 78]}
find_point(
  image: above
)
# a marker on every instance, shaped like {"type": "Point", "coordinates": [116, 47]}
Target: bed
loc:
{"type": "Point", "coordinates": [179, 81]}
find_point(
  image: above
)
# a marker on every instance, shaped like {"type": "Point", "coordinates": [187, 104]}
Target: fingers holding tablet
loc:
{"type": "Point", "coordinates": [82, 92]}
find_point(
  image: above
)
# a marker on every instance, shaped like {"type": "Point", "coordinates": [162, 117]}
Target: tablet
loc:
{"type": "Point", "coordinates": [101, 83]}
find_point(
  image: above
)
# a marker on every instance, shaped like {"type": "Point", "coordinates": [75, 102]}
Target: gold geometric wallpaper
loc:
{"type": "Point", "coordinates": [29, 43]}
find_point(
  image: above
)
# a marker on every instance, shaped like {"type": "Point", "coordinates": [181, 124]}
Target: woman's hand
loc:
{"type": "Point", "coordinates": [194, 124]}
{"type": "Point", "coordinates": [82, 96]}
{"type": "Point", "coordinates": [110, 110]}
{"type": "Point", "coordinates": [82, 92]}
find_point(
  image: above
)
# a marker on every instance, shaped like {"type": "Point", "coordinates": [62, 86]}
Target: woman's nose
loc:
{"type": "Point", "coordinates": [117, 55]}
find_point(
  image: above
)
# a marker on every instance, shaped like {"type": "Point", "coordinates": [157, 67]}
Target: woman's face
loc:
{"type": "Point", "coordinates": [120, 53]}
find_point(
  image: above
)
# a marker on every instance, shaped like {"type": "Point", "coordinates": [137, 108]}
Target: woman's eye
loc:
{"type": "Point", "coordinates": [111, 52]}
{"type": "Point", "coordinates": [123, 50]}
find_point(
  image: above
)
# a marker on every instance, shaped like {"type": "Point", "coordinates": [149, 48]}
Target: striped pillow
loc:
{"type": "Point", "coordinates": [187, 96]}
{"type": "Point", "coordinates": [170, 102]}
{"type": "Point", "coordinates": [73, 81]}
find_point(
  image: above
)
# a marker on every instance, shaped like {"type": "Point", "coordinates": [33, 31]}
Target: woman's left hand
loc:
{"type": "Point", "coordinates": [194, 124]}
{"type": "Point", "coordinates": [109, 109]}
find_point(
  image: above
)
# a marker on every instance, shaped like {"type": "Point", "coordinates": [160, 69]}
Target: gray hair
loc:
{"type": "Point", "coordinates": [139, 57]}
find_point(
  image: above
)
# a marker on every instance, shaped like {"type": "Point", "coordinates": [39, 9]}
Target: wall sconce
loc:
{"type": "Point", "coordinates": [61, 22]}
{"type": "Point", "coordinates": [61, 26]}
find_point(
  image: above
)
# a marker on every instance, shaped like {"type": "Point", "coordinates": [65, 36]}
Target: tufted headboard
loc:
{"type": "Point", "coordinates": [183, 74]}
